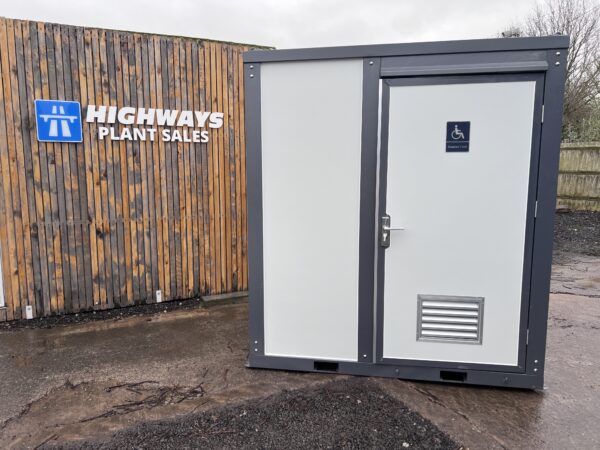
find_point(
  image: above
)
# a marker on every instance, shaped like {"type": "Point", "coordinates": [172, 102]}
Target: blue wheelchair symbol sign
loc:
{"type": "Point", "coordinates": [58, 121]}
{"type": "Point", "coordinates": [457, 136]}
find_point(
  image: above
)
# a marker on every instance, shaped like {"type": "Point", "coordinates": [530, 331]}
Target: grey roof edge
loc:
{"type": "Point", "coordinates": [412, 48]}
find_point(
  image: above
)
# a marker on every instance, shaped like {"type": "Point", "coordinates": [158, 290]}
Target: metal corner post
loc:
{"type": "Point", "coordinates": [544, 227]}
{"type": "Point", "coordinates": [254, 204]}
{"type": "Point", "coordinates": [368, 192]}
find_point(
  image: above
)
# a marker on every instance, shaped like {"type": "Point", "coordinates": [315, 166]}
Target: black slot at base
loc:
{"type": "Point", "coordinates": [326, 366]}
{"type": "Point", "coordinates": [451, 375]}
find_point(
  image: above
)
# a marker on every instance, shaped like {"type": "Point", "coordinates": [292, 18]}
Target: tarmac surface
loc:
{"type": "Point", "coordinates": [115, 383]}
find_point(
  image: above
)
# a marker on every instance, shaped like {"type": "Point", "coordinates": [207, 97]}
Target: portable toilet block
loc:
{"type": "Point", "coordinates": [400, 207]}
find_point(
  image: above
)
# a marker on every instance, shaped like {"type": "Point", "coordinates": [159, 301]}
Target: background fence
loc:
{"type": "Point", "coordinates": [579, 177]}
{"type": "Point", "coordinates": [107, 223]}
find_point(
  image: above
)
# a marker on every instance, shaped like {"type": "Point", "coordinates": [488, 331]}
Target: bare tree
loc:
{"type": "Point", "coordinates": [580, 19]}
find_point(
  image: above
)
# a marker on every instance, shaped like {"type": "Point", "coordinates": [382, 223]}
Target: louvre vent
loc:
{"type": "Point", "coordinates": [449, 318]}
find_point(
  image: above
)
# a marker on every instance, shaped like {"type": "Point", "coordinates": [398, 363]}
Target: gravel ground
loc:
{"type": "Point", "coordinates": [349, 414]}
{"type": "Point", "coordinates": [577, 232]}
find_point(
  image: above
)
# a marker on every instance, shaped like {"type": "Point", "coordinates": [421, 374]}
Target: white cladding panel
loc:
{"type": "Point", "coordinates": [464, 213]}
{"type": "Point", "coordinates": [311, 115]}
{"type": "Point", "coordinates": [1, 282]}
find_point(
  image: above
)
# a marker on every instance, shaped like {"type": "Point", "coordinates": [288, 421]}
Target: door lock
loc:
{"type": "Point", "coordinates": [385, 229]}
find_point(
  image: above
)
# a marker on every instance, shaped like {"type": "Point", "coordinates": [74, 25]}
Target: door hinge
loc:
{"type": "Point", "coordinates": [527, 338]}
{"type": "Point", "coordinates": [543, 113]}
{"type": "Point", "coordinates": [536, 208]}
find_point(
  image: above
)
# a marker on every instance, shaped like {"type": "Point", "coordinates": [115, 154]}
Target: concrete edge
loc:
{"type": "Point", "coordinates": [223, 297]}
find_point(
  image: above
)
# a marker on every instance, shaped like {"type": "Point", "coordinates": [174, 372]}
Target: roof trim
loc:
{"type": "Point", "coordinates": [413, 48]}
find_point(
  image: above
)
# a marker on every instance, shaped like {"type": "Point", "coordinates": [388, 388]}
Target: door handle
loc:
{"type": "Point", "coordinates": [393, 229]}
{"type": "Point", "coordinates": [386, 228]}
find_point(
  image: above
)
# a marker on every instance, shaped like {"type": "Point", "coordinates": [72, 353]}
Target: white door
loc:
{"type": "Point", "coordinates": [459, 160]}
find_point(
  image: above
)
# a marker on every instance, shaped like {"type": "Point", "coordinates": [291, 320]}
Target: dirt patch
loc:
{"type": "Point", "coordinates": [151, 397]}
{"type": "Point", "coordinates": [577, 232]}
{"type": "Point", "coordinates": [348, 414]}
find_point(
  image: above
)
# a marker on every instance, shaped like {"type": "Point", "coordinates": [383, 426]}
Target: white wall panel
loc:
{"type": "Point", "coordinates": [1, 282]}
{"type": "Point", "coordinates": [311, 142]}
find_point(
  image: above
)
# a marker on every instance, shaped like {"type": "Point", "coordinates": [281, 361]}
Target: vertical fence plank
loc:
{"type": "Point", "coordinates": [107, 183]}
{"type": "Point", "coordinates": [68, 229]}
{"type": "Point", "coordinates": [57, 84]}
{"type": "Point", "coordinates": [230, 181]}
{"type": "Point", "coordinates": [192, 65]}
{"type": "Point", "coordinates": [214, 90]}
{"type": "Point", "coordinates": [161, 87]}
{"type": "Point", "coordinates": [188, 188]}
{"type": "Point", "coordinates": [237, 150]}
{"type": "Point", "coordinates": [212, 256]}
{"type": "Point", "coordinates": [159, 173]}
{"type": "Point", "coordinates": [179, 177]}
{"type": "Point", "coordinates": [125, 269]}
{"type": "Point", "coordinates": [109, 93]}
{"type": "Point", "coordinates": [170, 149]}
{"type": "Point", "coordinates": [206, 227]}
{"type": "Point", "coordinates": [86, 70]}
{"type": "Point", "coordinates": [32, 256]}
{"type": "Point", "coordinates": [7, 225]}
{"type": "Point", "coordinates": [97, 166]}
{"type": "Point", "coordinates": [134, 180]}
{"type": "Point", "coordinates": [45, 160]}
{"type": "Point", "coordinates": [175, 94]}
{"type": "Point", "coordinates": [221, 169]}
{"type": "Point", "coordinates": [129, 189]}
{"type": "Point", "coordinates": [226, 174]}
{"type": "Point", "coordinates": [77, 180]}
{"type": "Point", "coordinates": [11, 92]}
{"type": "Point", "coordinates": [140, 178]}
{"type": "Point", "coordinates": [148, 180]}
{"type": "Point", "coordinates": [243, 178]}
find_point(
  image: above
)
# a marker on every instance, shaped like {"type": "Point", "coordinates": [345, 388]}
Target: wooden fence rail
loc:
{"type": "Point", "coordinates": [107, 223]}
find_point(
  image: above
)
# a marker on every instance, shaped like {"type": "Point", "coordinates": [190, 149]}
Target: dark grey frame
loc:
{"type": "Point", "coordinates": [254, 207]}
{"type": "Point", "coordinates": [545, 56]}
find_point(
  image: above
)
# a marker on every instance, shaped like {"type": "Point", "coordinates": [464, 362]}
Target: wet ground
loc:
{"type": "Point", "coordinates": [351, 414]}
{"type": "Point", "coordinates": [117, 382]}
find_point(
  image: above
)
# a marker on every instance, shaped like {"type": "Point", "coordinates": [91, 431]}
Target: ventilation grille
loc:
{"type": "Point", "coordinates": [449, 318]}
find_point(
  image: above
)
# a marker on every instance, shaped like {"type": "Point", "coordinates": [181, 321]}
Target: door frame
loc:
{"type": "Point", "coordinates": [386, 83]}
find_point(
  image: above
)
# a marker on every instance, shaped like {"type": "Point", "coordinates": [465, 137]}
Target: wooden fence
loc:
{"type": "Point", "coordinates": [104, 223]}
{"type": "Point", "coordinates": [579, 177]}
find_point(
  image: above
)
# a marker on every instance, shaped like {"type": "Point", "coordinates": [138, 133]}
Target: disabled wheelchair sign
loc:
{"type": "Point", "coordinates": [58, 121]}
{"type": "Point", "coordinates": [457, 136]}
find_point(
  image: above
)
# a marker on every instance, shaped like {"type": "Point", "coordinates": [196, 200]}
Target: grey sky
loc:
{"type": "Point", "coordinates": [285, 23]}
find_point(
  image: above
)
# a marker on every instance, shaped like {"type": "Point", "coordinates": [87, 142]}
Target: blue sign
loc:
{"type": "Point", "coordinates": [58, 121]}
{"type": "Point", "coordinates": [457, 136]}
